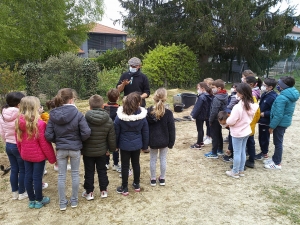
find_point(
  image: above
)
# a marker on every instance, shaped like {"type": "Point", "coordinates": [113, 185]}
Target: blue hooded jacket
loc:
{"type": "Point", "coordinates": [265, 104]}
{"type": "Point", "coordinates": [283, 108]}
{"type": "Point", "coordinates": [201, 109]}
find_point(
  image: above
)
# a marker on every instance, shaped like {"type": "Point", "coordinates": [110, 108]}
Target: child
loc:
{"type": "Point", "coordinates": [132, 134]}
{"type": "Point", "coordinates": [67, 128]}
{"type": "Point", "coordinates": [218, 104]}
{"type": "Point", "coordinates": [200, 112]}
{"type": "Point", "coordinates": [207, 139]}
{"type": "Point", "coordinates": [239, 125]}
{"type": "Point", "coordinates": [161, 135]}
{"type": "Point", "coordinates": [265, 105]}
{"type": "Point", "coordinates": [95, 147]}
{"type": "Point", "coordinates": [281, 117]}
{"type": "Point", "coordinates": [7, 130]}
{"type": "Point", "coordinates": [255, 83]}
{"type": "Point", "coordinates": [34, 149]}
{"type": "Point", "coordinates": [222, 117]}
{"type": "Point", "coordinates": [111, 107]}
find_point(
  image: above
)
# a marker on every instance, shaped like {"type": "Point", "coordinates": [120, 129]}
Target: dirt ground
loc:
{"type": "Point", "coordinates": [197, 190]}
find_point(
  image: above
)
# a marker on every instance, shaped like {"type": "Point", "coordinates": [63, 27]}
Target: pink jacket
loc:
{"type": "Point", "coordinates": [7, 124]}
{"type": "Point", "coordinates": [35, 149]}
{"type": "Point", "coordinates": [240, 119]}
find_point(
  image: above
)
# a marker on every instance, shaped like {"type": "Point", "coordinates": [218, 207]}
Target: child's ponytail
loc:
{"type": "Point", "coordinates": [160, 97]}
{"type": "Point", "coordinates": [63, 96]}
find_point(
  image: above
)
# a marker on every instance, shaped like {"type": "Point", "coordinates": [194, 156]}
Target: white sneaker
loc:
{"type": "Point", "coordinates": [44, 185]}
{"type": "Point", "coordinates": [103, 194]}
{"type": "Point", "coordinates": [23, 196]}
{"type": "Point", "coordinates": [15, 195]}
{"type": "Point", "coordinates": [55, 167]}
{"type": "Point", "coordinates": [268, 161]}
{"type": "Point", "coordinates": [89, 196]}
{"type": "Point", "coordinates": [107, 166]}
{"type": "Point", "coordinates": [231, 174]}
{"type": "Point", "coordinates": [207, 141]}
{"type": "Point", "coordinates": [116, 167]}
{"type": "Point", "coordinates": [45, 172]}
{"type": "Point", "coordinates": [69, 167]}
{"type": "Point", "coordinates": [273, 166]}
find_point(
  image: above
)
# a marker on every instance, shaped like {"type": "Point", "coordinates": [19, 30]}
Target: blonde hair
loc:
{"type": "Point", "coordinates": [160, 96]}
{"type": "Point", "coordinates": [208, 81]}
{"type": "Point", "coordinates": [29, 109]}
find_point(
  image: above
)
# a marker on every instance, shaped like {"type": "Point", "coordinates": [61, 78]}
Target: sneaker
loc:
{"type": "Point", "coordinates": [40, 204]}
{"type": "Point", "coordinates": [207, 141]}
{"type": "Point", "coordinates": [116, 167]}
{"type": "Point", "coordinates": [244, 167]}
{"type": "Point", "coordinates": [231, 174]}
{"type": "Point", "coordinates": [45, 172]}
{"type": "Point", "coordinates": [153, 183]}
{"type": "Point", "coordinates": [211, 156]}
{"type": "Point", "coordinates": [220, 152]}
{"type": "Point", "coordinates": [227, 158]}
{"type": "Point", "coordinates": [268, 161]}
{"type": "Point", "coordinates": [104, 194]}
{"type": "Point", "coordinates": [89, 196]}
{"type": "Point", "coordinates": [241, 173]}
{"type": "Point", "coordinates": [55, 167]}
{"type": "Point", "coordinates": [31, 204]}
{"type": "Point", "coordinates": [64, 207]}
{"type": "Point", "coordinates": [161, 182]}
{"type": "Point", "coordinates": [107, 166]}
{"type": "Point", "coordinates": [74, 204]}
{"type": "Point", "coordinates": [195, 146]}
{"type": "Point", "coordinates": [119, 170]}
{"type": "Point", "coordinates": [123, 191]}
{"type": "Point", "coordinates": [15, 195]}
{"type": "Point", "coordinates": [261, 156]}
{"type": "Point", "coordinates": [136, 187]}
{"type": "Point", "coordinates": [23, 196]}
{"type": "Point", "coordinates": [249, 164]}
{"type": "Point", "coordinates": [273, 166]}
{"type": "Point", "coordinates": [44, 185]}
{"type": "Point", "coordinates": [208, 153]}
{"type": "Point", "coordinates": [69, 167]}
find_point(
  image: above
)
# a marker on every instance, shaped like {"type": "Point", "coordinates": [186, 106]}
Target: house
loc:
{"type": "Point", "coordinates": [295, 34]}
{"type": "Point", "coordinates": [102, 38]}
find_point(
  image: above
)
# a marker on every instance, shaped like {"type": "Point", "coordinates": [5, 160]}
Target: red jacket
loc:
{"type": "Point", "coordinates": [35, 149]}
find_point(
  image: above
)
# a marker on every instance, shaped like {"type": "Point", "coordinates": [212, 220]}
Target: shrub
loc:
{"type": "Point", "coordinates": [171, 66]}
{"type": "Point", "coordinates": [32, 73]}
{"type": "Point", "coordinates": [111, 59]}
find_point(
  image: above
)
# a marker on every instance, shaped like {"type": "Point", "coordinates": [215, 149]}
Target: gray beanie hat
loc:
{"type": "Point", "coordinates": [134, 61]}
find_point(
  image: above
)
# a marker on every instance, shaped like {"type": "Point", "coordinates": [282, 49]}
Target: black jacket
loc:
{"type": "Point", "coordinates": [219, 103]}
{"type": "Point", "coordinates": [202, 107]}
{"type": "Point", "coordinates": [162, 131]}
{"type": "Point", "coordinates": [265, 105]}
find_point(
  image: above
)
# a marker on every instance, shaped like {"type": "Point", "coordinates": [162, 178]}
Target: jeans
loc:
{"type": "Point", "coordinates": [199, 125]}
{"type": "Point", "coordinates": [216, 135]}
{"type": "Point", "coordinates": [239, 149]}
{"type": "Point", "coordinates": [251, 148]}
{"type": "Point", "coordinates": [115, 158]}
{"type": "Point", "coordinates": [264, 138]}
{"type": "Point", "coordinates": [17, 171]}
{"type": "Point", "coordinates": [163, 162]}
{"type": "Point", "coordinates": [278, 134]}
{"type": "Point", "coordinates": [89, 171]}
{"type": "Point", "coordinates": [135, 162]}
{"type": "Point", "coordinates": [62, 161]}
{"type": "Point", "coordinates": [34, 172]}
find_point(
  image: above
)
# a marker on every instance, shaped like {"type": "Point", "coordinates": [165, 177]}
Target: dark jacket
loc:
{"type": "Point", "coordinates": [67, 128]}
{"type": "Point", "coordinates": [232, 101]}
{"type": "Point", "coordinates": [162, 131]}
{"type": "Point", "coordinates": [139, 84]}
{"type": "Point", "coordinates": [111, 109]}
{"type": "Point", "coordinates": [265, 105]}
{"type": "Point", "coordinates": [201, 109]}
{"type": "Point", "coordinates": [219, 103]}
{"type": "Point", "coordinates": [132, 132]}
{"type": "Point", "coordinates": [102, 137]}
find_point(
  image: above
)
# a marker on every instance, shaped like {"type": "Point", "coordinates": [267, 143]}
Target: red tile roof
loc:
{"type": "Point", "coordinates": [296, 29]}
{"type": "Point", "coordinates": [99, 28]}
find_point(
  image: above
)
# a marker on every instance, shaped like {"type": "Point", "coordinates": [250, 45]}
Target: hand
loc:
{"type": "Point", "coordinates": [271, 130]}
{"type": "Point", "coordinates": [116, 150]}
{"type": "Point", "coordinates": [262, 114]}
{"type": "Point", "coordinates": [107, 153]}
{"type": "Point", "coordinates": [228, 152]}
{"type": "Point", "coordinates": [125, 82]}
{"type": "Point", "coordinates": [193, 119]}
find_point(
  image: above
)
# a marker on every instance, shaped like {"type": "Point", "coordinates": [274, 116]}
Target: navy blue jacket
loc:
{"type": "Point", "coordinates": [67, 128]}
{"type": "Point", "coordinates": [132, 131]}
{"type": "Point", "coordinates": [265, 105]}
{"type": "Point", "coordinates": [201, 109]}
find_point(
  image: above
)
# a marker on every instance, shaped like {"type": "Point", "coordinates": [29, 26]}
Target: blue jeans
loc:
{"type": "Point", "coordinates": [239, 149]}
{"type": "Point", "coordinates": [34, 172]}
{"type": "Point", "coordinates": [278, 134]}
{"type": "Point", "coordinates": [62, 161]}
{"type": "Point", "coordinates": [17, 171]}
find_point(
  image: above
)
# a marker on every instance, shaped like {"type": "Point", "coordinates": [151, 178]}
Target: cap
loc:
{"type": "Point", "coordinates": [134, 61]}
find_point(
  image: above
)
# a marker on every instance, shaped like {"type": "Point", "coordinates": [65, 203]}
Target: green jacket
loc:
{"type": "Point", "coordinates": [102, 137]}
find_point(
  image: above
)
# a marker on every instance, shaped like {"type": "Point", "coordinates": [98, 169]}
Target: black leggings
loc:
{"type": "Point", "coordinates": [135, 162]}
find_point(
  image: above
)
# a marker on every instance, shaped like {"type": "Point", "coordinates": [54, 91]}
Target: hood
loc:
{"type": "Point", "coordinates": [10, 114]}
{"type": "Point", "coordinates": [63, 114]}
{"type": "Point", "coordinates": [291, 93]}
{"type": "Point", "coordinates": [151, 118]}
{"type": "Point", "coordinates": [209, 96]}
{"type": "Point", "coordinates": [141, 114]}
{"type": "Point", "coordinates": [97, 116]}
{"type": "Point", "coordinates": [221, 96]}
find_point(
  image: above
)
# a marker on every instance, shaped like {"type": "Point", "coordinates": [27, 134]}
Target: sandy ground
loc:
{"type": "Point", "coordinates": [197, 190]}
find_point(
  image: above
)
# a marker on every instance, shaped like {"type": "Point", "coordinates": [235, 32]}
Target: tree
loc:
{"type": "Point", "coordinates": [33, 30]}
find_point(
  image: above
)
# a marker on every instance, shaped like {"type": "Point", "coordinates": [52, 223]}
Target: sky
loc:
{"type": "Point", "coordinates": [112, 11]}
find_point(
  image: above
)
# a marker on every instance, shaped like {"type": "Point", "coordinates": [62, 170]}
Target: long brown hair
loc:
{"type": "Point", "coordinates": [63, 96]}
{"type": "Point", "coordinates": [160, 97]}
{"type": "Point", "coordinates": [206, 88]}
{"type": "Point", "coordinates": [132, 103]}
{"type": "Point", "coordinates": [245, 90]}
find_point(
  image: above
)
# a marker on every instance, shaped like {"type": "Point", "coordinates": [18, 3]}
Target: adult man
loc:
{"type": "Point", "coordinates": [134, 80]}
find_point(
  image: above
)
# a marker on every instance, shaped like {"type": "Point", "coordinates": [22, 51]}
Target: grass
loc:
{"type": "Point", "coordinates": [2, 147]}
{"type": "Point", "coordinates": [287, 202]}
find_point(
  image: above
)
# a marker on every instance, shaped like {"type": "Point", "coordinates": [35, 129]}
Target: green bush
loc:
{"type": "Point", "coordinates": [171, 66]}
{"type": "Point", "coordinates": [111, 59]}
{"type": "Point", "coordinates": [32, 73]}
